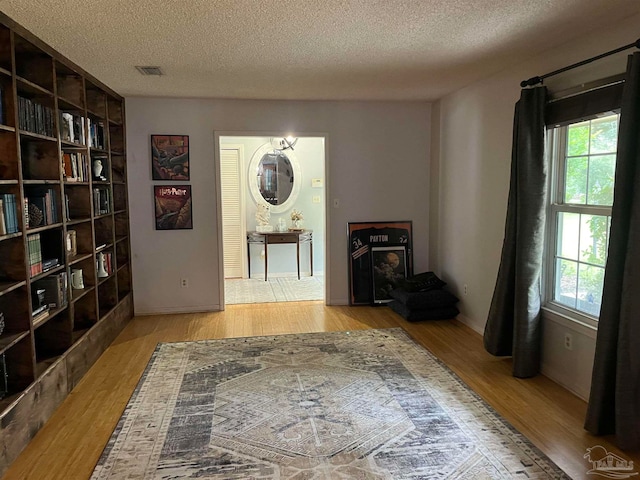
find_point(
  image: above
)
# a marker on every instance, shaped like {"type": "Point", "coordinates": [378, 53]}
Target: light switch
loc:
{"type": "Point", "coordinates": [316, 183]}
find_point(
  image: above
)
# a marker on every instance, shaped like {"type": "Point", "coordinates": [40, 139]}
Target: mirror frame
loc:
{"type": "Point", "coordinates": [253, 173]}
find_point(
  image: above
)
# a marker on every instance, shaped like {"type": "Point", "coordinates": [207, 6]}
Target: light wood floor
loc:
{"type": "Point", "coordinates": [69, 445]}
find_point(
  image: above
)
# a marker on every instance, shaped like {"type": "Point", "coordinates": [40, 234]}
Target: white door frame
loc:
{"type": "Point", "coordinates": [327, 233]}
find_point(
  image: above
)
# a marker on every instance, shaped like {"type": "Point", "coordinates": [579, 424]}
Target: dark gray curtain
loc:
{"type": "Point", "coordinates": [513, 326]}
{"type": "Point", "coordinates": [614, 404]}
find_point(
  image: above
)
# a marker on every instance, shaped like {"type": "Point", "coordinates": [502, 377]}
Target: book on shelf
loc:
{"type": "Point", "coordinates": [74, 167]}
{"type": "Point", "coordinates": [43, 207]}
{"type": "Point", "coordinates": [8, 214]}
{"type": "Point", "coordinates": [35, 118]}
{"type": "Point", "coordinates": [72, 128]}
{"type": "Point", "coordinates": [34, 249]}
{"type": "Point", "coordinates": [96, 134]}
{"type": "Point", "coordinates": [49, 263]}
{"type": "Point", "coordinates": [55, 286]}
{"type": "Point", "coordinates": [41, 315]}
{"type": "Point", "coordinates": [1, 105]}
{"type": "Point", "coordinates": [3, 224]}
{"type": "Point", "coordinates": [101, 202]}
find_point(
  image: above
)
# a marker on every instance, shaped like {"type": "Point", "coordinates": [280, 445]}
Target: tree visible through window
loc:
{"type": "Point", "coordinates": [584, 161]}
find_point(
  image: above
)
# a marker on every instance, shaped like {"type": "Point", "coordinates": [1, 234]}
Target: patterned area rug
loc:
{"type": "Point", "coordinates": [276, 289]}
{"type": "Point", "coordinates": [367, 404]}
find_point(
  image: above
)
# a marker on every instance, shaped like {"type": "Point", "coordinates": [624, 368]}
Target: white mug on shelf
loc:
{"type": "Point", "coordinates": [77, 281]}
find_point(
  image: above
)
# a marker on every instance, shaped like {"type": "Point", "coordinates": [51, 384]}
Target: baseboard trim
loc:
{"type": "Point", "coordinates": [340, 302]}
{"type": "Point", "coordinates": [474, 325]}
{"type": "Point", "coordinates": [552, 375]}
{"type": "Point", "coordinates": [174, 310]}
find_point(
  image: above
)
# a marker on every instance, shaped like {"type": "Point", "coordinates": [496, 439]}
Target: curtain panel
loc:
{"type": "Point", "coordinates": [513, 325]}
{"type": "Point", "coordinates": [614, 403]}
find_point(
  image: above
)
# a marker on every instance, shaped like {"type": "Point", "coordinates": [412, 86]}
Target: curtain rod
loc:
{"type": "Point", "coordinates": [535, 80]}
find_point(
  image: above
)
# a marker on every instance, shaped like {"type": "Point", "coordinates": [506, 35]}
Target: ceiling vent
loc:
{"type": "Point", "coordinates": [150, 70]}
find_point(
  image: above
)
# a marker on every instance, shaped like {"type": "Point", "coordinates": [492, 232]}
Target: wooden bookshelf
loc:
{"type": "Point", "coordinates": [56, 123]}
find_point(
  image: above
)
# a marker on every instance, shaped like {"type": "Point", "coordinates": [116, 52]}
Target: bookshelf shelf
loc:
{"type": "Point", "coordinates": [27, 86]}
{"type": "Point", "coordinates": [7, 287]}
{"type": "Point", "coordinates": [8, 340]}
{"type": "Point", "coordinates": [41, 182]}
{"type": "Point", "coordinates": [46, 273]}
{"type": "Point", "coordinates": [67, 145]}
{"type": "Point", "coordinates": [78, 294]}
{"type": "Point", "coordinates": [43, 365]}
{"type": "Point", "coordinates": [27, 134]}
{"type": "Point", "coordinates": [44, 228]}
{"type": "Point", "coordinates": [77, 221]}
{"type": "Point", "coordinates": [10, 236]}
{"type": "Point", "coordinates": [52, 314]}
{"type": "Point", "coordinates": [73, 259]}
{"type": "Point", "coordinates": [57, 120]}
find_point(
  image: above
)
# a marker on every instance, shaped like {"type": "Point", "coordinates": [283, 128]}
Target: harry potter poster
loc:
{"type": "Point", "coordinates": [173, 207]}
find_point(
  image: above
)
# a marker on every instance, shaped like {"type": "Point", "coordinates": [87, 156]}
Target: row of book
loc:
{"type": "Point", "coordinates": [55, 290]}
{"type": "Point", "coordinates": [42, 208]}
{"type": "Point", "coordinates": [35, 117]}
{"type": "Point", "coordinates": [108, 264]}
{"type": "Point", "coordinates": [34, 249]}
{"type": "Point", "coordinates": [101, 201]}
{"type": "Point", "coordinates": [96, 134]}
{"type": "Point", "coordinates": [75, 167]}
{"type": "Point", "coordinates": [8, 214]}
{"type": "Point", "coordinates": [71, 128]}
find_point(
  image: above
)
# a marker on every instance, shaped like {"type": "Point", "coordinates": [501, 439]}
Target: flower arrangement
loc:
{"type": "Point", "coordinates": [296, 216]}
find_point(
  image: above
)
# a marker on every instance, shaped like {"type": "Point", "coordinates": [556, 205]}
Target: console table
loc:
{"type": "Point", "coordinates": [270, 238]}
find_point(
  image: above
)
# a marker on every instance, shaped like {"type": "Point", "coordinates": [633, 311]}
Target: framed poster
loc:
{"type": "Point", "coordinates": [173, 207]}
{"type": "Point", "coordinates": [362, 237]}
{"type": "Point", "coordinates": [388, 268]}
{"type": "Point", "coordinates": [170, 157]}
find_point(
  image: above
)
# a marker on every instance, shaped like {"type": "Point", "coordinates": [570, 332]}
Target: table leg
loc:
{"type": "Point", "coordinates": [266, 250]}
{"type": "Point", "coordinates": [311, 255]}
{"type": "Point", "coordinates": [249, 258]}
{"type": "Point", "coordinates": [298, 256]}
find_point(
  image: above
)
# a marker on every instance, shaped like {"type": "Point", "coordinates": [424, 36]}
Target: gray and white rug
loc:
{"type": "Point", "coordinates": [368, 404]}
{"type": "Point", "coordinates": [276, 289]}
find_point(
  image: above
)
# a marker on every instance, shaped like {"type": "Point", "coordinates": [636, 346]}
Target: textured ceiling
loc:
{"type": "Point", "coordinates": [306, 49]}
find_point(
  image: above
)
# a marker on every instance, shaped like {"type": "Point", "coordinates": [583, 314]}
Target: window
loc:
{"type": "Point", "coordinates": [584, 161]}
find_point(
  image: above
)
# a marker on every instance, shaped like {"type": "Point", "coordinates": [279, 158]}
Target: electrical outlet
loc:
{"type": "Point", "coordinates": [466, 289]}
{"type": "Point", "coordinates": [568, 341]}
{"type": "Point", "coordinates": [184, 283]}
{"type": "Point", "coordinates": [316, 199]}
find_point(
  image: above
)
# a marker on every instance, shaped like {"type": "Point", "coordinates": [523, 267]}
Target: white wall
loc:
{"type": "Point", "coordinates": [378, 155]}
{"type": "Point", "coordinates": [473, 183]}
{"type": "Point", "coordinates": [309, 153]}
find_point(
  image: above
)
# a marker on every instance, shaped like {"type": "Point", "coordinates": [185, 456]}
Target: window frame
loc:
{"type": "Point", "coordinates": [555, 152]}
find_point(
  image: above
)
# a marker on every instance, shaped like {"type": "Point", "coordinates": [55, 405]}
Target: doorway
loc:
{"type": "Point", "coordinates": [264, 179]}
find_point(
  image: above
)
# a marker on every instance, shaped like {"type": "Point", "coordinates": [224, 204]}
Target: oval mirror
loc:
{"type": "Point", "coordinates": [274, 177]}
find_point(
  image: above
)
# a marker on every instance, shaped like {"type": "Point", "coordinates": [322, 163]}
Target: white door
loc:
{"type": "Point", "coordinates": [233, 223]}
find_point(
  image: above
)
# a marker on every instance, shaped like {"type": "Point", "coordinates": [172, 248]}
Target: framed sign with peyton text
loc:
{"type": "Point", "coordinates": [380, 255]}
